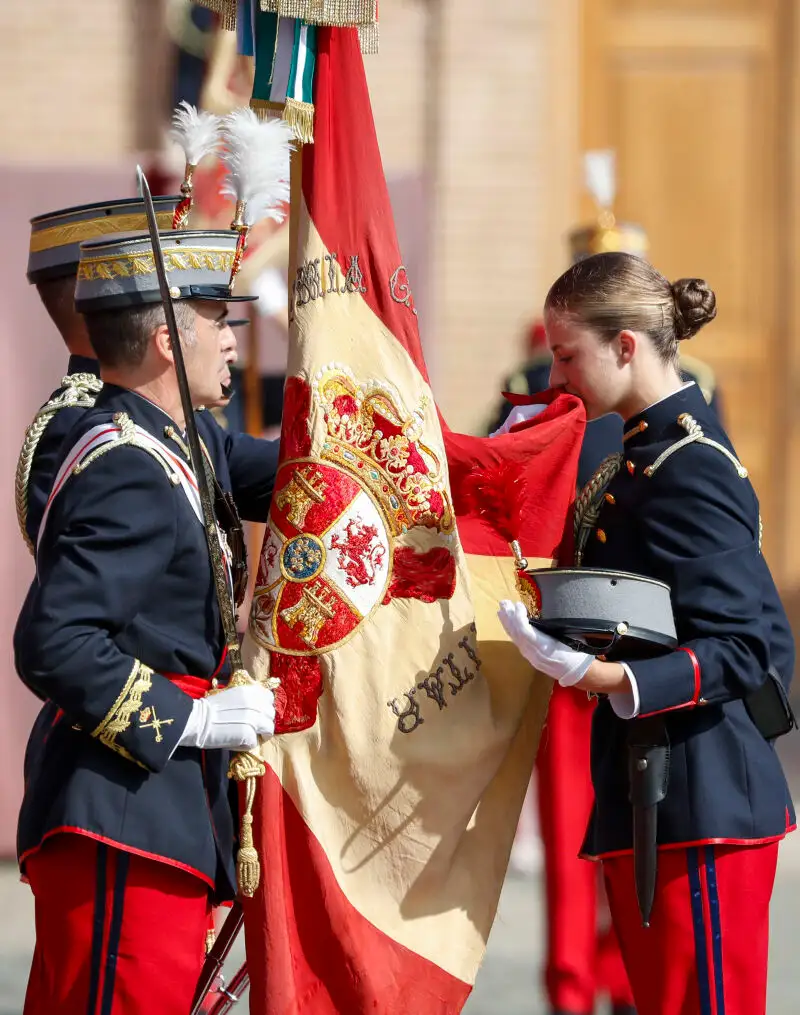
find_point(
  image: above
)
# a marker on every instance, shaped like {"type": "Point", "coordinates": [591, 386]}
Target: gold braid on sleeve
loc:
{"type": "Point", "coordinates": [79, 390]}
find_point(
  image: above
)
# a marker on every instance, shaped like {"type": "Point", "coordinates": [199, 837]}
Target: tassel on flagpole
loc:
{"type": "Point", "coordinates": [246, 768]}
{"type": "Point", "coordinates": [300, 117]}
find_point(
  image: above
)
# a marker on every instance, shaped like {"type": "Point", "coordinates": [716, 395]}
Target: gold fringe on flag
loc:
{"type": "Point", "coordinates": [368, 38]}
{"type": "Point", "coordinates": [266, 110]}
{"type": "Point", "coordinates": [226, 9]}
{"type": "Point", "coordinates": [300, 117]}
{"type": "Point", "coordinates": [338, 13]}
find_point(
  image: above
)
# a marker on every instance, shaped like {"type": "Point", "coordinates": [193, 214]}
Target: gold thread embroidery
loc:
{"type": "Point", "coordinates": [305, 489]}
{"type": "Point", "coordinates": [90, 229]}
{"type": "Point", "coordinates": [78, 390]}
{"type": "Point", "coordinates": [128, 265]}
{"type": "Point", "coordinates": [119, 716]}
{"type": "Point", "coordinates": [310, 613]}
{"type": "Point", "coordinates": [149, 720]}
{"type": "Point", "coordinates": [405, 475]}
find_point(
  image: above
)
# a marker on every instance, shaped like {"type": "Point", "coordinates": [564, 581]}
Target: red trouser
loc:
{"type": "Point", "coordinates": [581, 961]}
{"type": "Point", "coordinates": [705, 952]}
{"type": "Point", "coordinates": [116, 934]}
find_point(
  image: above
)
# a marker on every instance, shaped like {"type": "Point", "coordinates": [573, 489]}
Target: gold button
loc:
{"type": "Point", "coordinates": [601, 535]}
{"type": "Point", "coordinates": [175, 292]}
{"type": "Point", "coordinates": [630, 466]}
{"type": "Point", "coordinates": [610, 498]}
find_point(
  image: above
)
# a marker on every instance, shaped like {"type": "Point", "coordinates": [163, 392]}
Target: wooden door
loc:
{"type": "Point", "coordinates": [691, 94]}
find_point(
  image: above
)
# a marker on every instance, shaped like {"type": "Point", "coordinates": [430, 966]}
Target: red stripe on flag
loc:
{"type": "Point", "coordinates": [345, 189]}
{"type": "Point", "coordinates": [348, 202]}
{"type": "Point", "coordinates": [309, 950]}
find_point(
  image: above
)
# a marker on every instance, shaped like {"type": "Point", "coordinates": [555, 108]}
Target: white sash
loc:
{"type": "Point", "coordinates": [176, 468]}
{"type": "Point", "coordinates": [100, 435]}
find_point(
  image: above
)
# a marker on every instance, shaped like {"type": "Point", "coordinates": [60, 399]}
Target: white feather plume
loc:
{"type": "Point", "coordinates": [599, 169]}
{"type": "Point", "coordinates": [256, 154]}
{"type": "Point", "coordinates": [197, 132]}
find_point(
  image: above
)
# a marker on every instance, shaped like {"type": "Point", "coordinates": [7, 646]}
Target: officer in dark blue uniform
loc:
{"type": "Point", "coordinates": [675, 505]}
{"type": "Point", "coordinates": [52, 267]}
{"type": "Point", "coordinates": [125, 822]}
{"type": "Point", "coordinates": [52, 264]}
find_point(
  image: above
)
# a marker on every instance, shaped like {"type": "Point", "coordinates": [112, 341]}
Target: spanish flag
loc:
{"type": "Point", "coordinates": [409, 724]}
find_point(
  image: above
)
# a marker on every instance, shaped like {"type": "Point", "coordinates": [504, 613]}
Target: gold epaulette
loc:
{"type": "Point", "coordinates": [77, 390]}
{"type": "Point", "coordinates": [129, 438]}
{"type": "Point", "coordinates": [702, 373]}
{"type": "Point", "coordinates": [694, 435]}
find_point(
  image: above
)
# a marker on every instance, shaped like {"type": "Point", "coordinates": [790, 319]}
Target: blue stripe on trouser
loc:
{"type": "Point", "coordinates": [115, 932]}
{"type": "Point", "coordinates": [97, 928]}
{"type": "Point", "coordinates": [700, 954]}
{"type": "Point", "coordinates": [716, 926]}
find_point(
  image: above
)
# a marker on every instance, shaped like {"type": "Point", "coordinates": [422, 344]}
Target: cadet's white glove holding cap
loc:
{"type": "Point", "coordinates": [543, 652]}
{"type": "Point", "coordinates": [519, 414]}
{"type": "Point", "coordinates": [234, 719]}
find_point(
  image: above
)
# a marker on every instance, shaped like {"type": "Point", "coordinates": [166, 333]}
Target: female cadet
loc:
{"type": "Point", "coordinates": [675, 506]}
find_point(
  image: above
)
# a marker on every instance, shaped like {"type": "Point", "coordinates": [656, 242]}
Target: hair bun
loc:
{"type": "Point", "coordinates": [695, 305]}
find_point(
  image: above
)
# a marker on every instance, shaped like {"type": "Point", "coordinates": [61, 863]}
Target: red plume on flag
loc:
{"type": "Point", "coordinates": [386, 816]}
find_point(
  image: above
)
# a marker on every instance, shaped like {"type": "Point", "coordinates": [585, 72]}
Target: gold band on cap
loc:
{"type": "Point", "coordinates": [91, 229]}
{"type": "Point", "coordinates": [128, 265]}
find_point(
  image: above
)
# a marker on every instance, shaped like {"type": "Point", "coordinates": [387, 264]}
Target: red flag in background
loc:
{"type": "Point", "coordinates": [388, 810]}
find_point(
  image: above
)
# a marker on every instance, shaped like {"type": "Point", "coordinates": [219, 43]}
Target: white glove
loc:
{"type": "Point", "coordinates": [519, 414]}
{"type": "Point", "coordinates": [544, 653]}
{"type": "Point", "coordinates": [234, 718]}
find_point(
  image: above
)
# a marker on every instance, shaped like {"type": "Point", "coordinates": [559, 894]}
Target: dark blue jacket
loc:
{"type": "Point", "coordinates": [691, 521]}
{"type": "Point", "coordinates": [123, 604]}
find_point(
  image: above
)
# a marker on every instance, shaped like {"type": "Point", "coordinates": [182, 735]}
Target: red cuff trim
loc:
{"type": "Point", "coordinates": [695, 697]}
{"type": "Point", "coordinates": [696, 668]}
{"type": "Point", "coordinates": [117, 845]}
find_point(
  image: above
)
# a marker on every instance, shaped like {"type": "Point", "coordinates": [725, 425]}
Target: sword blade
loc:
{"type": "Point", "coordinates": [192, 437]}
{"type": "Point", "coordinates": [172, 327]}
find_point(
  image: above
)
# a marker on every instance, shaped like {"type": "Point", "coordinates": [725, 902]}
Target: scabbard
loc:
{"type": "Point", "coordinates": [648, 780]}
{"type": "Point", "coordinates": [215, 959]}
